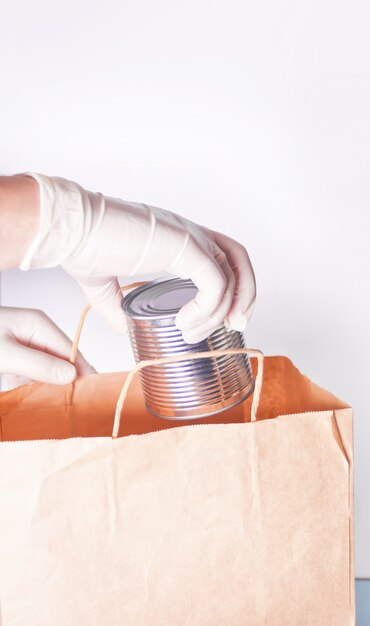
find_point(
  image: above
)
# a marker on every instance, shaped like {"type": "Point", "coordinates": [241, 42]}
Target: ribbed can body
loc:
{"type": "Point", "coordinates": [190, 388]}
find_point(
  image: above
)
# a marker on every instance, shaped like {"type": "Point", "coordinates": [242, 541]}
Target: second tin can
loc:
{"type": "Point", "coordinates": [191, 388]}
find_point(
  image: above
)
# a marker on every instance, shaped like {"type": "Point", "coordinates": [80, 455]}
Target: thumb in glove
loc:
{"type": "Point", "coordinates": [32, 347]}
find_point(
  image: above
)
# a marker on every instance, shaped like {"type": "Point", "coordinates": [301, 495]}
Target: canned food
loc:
{"type": "Point", "coordinates": [191, 388]}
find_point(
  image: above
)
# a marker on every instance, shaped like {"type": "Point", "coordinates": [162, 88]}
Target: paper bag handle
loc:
{"type": "Point", "coordinates": [172, 359]}
{"type": "Point", "coordinates": [190, 357]}
{"type": "Point", "coordinates": [81, 321]}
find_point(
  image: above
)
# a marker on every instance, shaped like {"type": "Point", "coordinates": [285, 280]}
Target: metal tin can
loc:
{"type": "Point", "coordinates": [187, 389]}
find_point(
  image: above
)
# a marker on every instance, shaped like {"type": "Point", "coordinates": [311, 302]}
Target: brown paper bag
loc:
{"type": "Point", "coordinates": [219, 522]}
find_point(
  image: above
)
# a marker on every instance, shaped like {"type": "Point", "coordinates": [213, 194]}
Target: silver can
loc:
{"type": "Point", "coordinates": [191, 388]}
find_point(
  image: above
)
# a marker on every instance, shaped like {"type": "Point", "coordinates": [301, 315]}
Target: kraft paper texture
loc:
{"type": "Point", "coordinates": [229, 523]}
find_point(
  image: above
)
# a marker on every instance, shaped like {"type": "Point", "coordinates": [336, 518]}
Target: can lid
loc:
{"type": "Point", "coordinates": [159, 299]}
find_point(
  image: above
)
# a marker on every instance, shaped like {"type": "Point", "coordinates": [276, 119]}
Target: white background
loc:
{"type": "Point", "coordinates": [252, 118]}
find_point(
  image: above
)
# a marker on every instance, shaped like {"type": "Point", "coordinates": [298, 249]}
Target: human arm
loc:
{"type": "Point", "coordinates": [32, 347]}
{"type": "Point", "coordinates": [19, 218]}
{"type": "Point", "coordinates": [97, 238]}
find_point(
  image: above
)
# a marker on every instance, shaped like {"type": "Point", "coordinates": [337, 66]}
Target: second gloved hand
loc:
{"type": "Point", "coordinates": [98, 238]}
{"type": "Point", "coordinates": [32, 347]}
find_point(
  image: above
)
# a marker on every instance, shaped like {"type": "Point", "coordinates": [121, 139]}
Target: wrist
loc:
{"type": "Point", "coordinates": [19, 218]}
{"type": "Point", "coordinates": [62, 221]}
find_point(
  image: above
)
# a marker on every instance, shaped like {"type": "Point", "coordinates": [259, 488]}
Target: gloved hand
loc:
{"type": "Point", "coordinates": [32, 347]}
{"type": "Point", "coordinates": [97, 238]}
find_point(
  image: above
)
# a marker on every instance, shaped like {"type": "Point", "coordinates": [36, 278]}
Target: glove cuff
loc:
{"type": "Point", "coordinates": [62, 220]}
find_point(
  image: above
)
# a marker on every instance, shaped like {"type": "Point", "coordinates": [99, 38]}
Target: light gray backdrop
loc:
{"type": "Point", "coordinates": [252, 118]}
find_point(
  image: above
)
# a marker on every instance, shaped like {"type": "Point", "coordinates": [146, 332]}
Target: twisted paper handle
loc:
{"type": "Point", "coordinates": [81, 321]}
{"type": "Point", "coordinates": [190, 357]}
{"type": "Point", "coordinates": [172, 359]}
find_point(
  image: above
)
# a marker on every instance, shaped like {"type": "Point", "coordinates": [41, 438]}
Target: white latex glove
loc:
{"type": "Point", "coordinates": [97, 238]}
{"type": "Point", "coordinates": [32, 347]}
